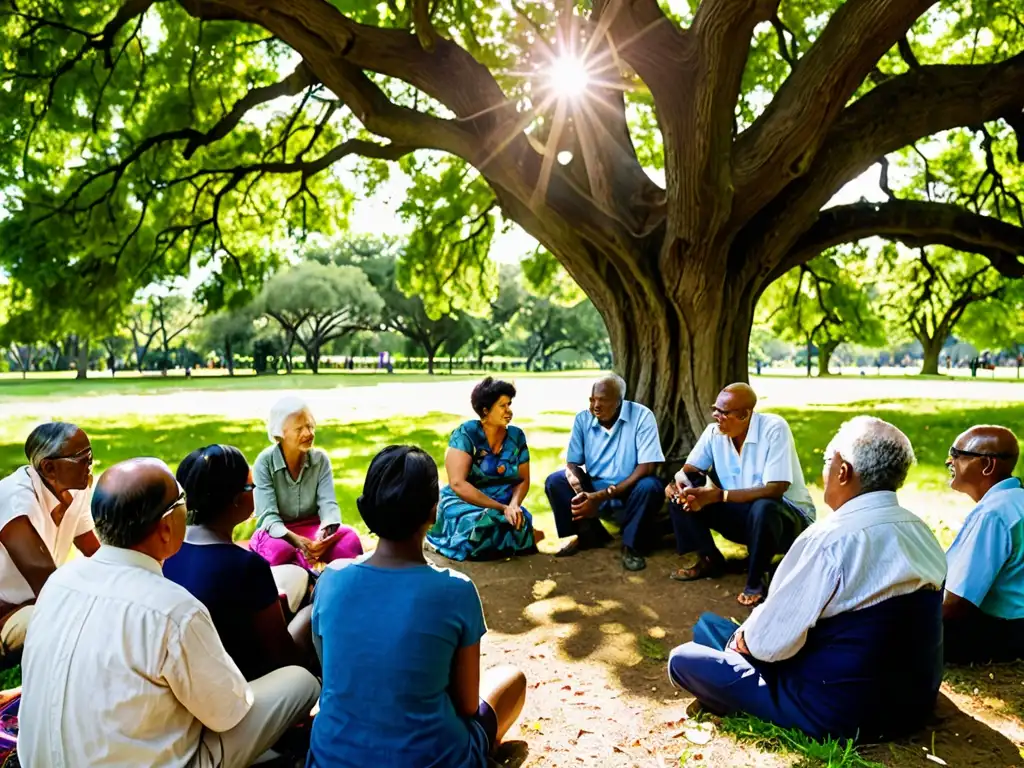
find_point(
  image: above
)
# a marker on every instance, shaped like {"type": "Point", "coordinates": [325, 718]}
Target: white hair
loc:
{"type": "Point", "coordinates": [47, 441]}
{"type": "Point", "coordinates": [880, 454]}
{"type": "Point", "coordinates": [281, 411]}
{"type": "Point", "coordinates": [618, 381]}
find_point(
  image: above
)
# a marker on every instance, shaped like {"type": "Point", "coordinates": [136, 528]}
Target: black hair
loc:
{"type": "Point", "coordinates": [126, 517]}
{"type": "Point", "coordinates": [488, 392]}
{"type": "Point", "coordinates": [400, 492]}
{"type": "Point", "coordinates": [211, 477]}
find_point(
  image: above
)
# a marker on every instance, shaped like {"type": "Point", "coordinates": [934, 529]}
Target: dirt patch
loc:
{"type": "Point", "coordinates": [593, 641]}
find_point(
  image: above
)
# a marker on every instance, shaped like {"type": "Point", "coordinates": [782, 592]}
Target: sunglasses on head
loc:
{"type": "Point", "coordinates": [957, 453]}
{"type": "Point", "coordinates": [178, 502]}
{"type": "Point", "coordinates": [81, 457]}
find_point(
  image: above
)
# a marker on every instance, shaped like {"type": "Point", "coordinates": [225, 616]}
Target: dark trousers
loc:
{"type": "Point", "coordinates": [634, 513]}
{"type": "Point", "coordinates": [766, 527]}
{"type": "Point", "coordinates": [981, 638]}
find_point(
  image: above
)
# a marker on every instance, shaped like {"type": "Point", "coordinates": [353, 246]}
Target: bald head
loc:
{"type": "Point", "coordinates": [130, 498]}
{"type": "Point", "coordinates": [741, 395]}
{"type": "Point", "coordinates": [981, 457]}
{"type": "Point", "coordinates": [998, 442]}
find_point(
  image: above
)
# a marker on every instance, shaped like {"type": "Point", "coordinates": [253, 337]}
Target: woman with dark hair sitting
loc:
{"type": "Point", "coordinates": [237, 586]}
{"type": "Point", "coordinates": [480, 516]}
{"type": "Point", "coordinates": [399, 641]}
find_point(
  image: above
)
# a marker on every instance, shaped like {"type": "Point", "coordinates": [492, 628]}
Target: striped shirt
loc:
{"type": "Point", "coordinates": [865, 552]}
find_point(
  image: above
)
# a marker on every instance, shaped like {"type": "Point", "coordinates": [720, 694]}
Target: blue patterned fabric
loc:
{"type": "Point", "coordinates": [465, 531]}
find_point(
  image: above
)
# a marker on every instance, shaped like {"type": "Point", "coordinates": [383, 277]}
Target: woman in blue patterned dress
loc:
{"type": "Point", "coordinates": [480, 515]}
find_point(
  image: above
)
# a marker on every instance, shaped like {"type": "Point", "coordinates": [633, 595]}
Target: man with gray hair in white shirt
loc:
{"type": "Point", "coordinates": [827, 651]}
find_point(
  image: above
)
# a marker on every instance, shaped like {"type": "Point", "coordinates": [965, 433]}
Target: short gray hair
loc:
{"type": "Point", "coordinates": [281, 411]}
{"type": "Point", "coordinates": [618, 381]}
{"type": "Point", "coordinates": [47, 441]}
{"type": "Point", "coordinates": [880, 454]}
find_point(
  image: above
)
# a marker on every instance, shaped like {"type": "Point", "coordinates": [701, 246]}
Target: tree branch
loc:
{"type": "Point", "coordinates": [789, 133]}
{"type": "Point", "coordinates": [915, 224]}
{"type": "Point", "coordinates": [300, 79]}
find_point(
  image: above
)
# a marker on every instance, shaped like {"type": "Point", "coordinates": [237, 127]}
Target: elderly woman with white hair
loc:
{"type": "Point", "coordinates": [849, 641]}
{"type": "Point", "coordinates": [44, 509]}
{"type": "Point", "coordinates": [297, 513]}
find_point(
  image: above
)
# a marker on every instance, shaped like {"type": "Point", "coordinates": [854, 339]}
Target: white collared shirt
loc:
{"type": "Point", "coordinates": [123, 667]}
{"type": "Point", "coordinates": [24, 494]}
{"type": "Point", "coordinates": [766, 456]}
{"type": "Point", "coordinates": [867, 551]}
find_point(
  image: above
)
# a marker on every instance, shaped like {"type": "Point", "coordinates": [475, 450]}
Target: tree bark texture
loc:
{"type": "Point", "coordinates": [83, 360]}
{"type": "Point", "coordinates": [676, 271]}
{"type": "Point", "coordinates": [825, 352]}
{"type": "Point", "coordinates": [932, 353]}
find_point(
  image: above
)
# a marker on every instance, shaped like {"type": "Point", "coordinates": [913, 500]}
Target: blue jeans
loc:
{"type": "Point", "coordinates": [635, 513]}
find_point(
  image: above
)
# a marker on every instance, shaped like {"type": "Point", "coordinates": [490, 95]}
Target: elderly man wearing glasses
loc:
{"type": "Point", "coordinates": [983, 609]}
{"type": "Point", "coordinates": [124, 667]}
{"type": "Point", "coordinates": [758, 497]}
{"type": "Point", "coordinates": [44, 509]}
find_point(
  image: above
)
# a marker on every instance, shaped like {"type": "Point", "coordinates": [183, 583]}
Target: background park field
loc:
{"type": "Point", "coordinates": [593, 639]}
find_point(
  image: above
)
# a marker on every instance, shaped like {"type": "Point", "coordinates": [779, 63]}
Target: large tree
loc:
{"type": "Point", "coordinates": [829, 301]}
{"type": "Point", "coordinates": [930, 291]}
{"type": "Point", "coordinates": [758, 112]}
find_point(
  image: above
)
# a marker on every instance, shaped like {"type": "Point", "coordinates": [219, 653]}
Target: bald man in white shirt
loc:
{"type": "Point", "coordinates": [828, 650]}
{"type": "Point", "coordinates": [124, 667]}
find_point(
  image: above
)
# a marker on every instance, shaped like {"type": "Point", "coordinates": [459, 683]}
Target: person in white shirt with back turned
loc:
{"type": "Point", "coordinates": [124, 667]}
{"type": "Point", "coordinates": [849, 641]}
{"type": "Point", "coordinates": [759, 498]}
{"type": "Point", "coordinates": [44, 509]}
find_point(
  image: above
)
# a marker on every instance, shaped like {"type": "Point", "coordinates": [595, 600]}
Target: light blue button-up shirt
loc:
{"type": "Point", "coordinates": [280, 499]}
{"type": "Point", "coordinates": [767, 455]}
{"type": "Point", "coordinates": [986, 561]}
{"type": "Point", "coordinates": [611, 455]}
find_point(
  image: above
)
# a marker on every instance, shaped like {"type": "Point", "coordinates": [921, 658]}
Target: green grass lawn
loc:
{"type": "Point", "coordinates": [931, 426]}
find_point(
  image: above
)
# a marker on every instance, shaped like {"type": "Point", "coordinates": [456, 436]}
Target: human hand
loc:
{"type": "Point", "coordinates": [574, 482]}
{"type": "Point", "coordinates": [327, 531]}
{"type": "Point", "coordinates": [672, 491]}
{"type": "Point", "coordinates": [698, 498]}
{"type": "Point", "coordinates": [584, 505]}
{"type": "Point", "coordinates": [514, 514]}
{"type": "Point", "coordinates": [307, 547]}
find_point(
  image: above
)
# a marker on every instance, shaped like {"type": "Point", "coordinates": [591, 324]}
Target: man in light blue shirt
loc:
{"type": "Point", "coordinates": [760, 499]}
{"type": "Point", "coordinates": [983, 610]}
{"type": "Point", "coordinates": [614, 451]}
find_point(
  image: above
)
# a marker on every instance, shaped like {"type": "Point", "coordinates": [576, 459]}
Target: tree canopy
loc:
{"type": "Point", "coordinates": [675, 157]}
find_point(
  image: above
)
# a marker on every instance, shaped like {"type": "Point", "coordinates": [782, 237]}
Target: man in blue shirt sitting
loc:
{"type": "Point", "coordinates": [983, 609]}
{"type": "Point", "coordinates": [614, 451]}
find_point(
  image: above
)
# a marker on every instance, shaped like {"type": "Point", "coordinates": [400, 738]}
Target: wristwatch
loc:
{"type": "Point", "coordinates": [611, 491]}
{"type": "Point", "coordinates": [725, 497]}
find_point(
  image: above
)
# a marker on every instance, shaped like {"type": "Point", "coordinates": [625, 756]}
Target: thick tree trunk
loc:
{"type": "Point", "coordinates": [932, 352]}
{"type": "Point", "coordinates": [83, 360]}
{"type": "Point", "coordinates": [676, 360]}
{"type": "Point", "coordinates": [825, 352]}
{"type": "Point", "coordinates": [430, 358]}
{"type": "Point", "coordinates": [313, 359]}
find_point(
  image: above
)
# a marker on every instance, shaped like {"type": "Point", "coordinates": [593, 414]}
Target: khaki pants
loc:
{"type": "Point", "coordinates": [13, 630]}
{"type": "Point", "coordinates": [280, 700]}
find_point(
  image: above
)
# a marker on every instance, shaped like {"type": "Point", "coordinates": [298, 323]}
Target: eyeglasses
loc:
{"type": "Point", "coordinates": [178, 502]}
{"type": "Point", "coordinates": [716, 411]}
{"type": "Point", "coordinates": [956, 453]}
{"type": "Point", "coordinates": [82, 457]}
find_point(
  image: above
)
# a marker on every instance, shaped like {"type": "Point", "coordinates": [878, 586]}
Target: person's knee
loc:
{"type": "Point", "coordinates": [764, 512]}
{"type": "Point", "coordinates": [681, 663]}
{"type": "Point", "coordinates": [650, 486]}
{"type": "Point", "coordinates": [299, 683]}
{"type": "Point", "coordinates": [555, 481]}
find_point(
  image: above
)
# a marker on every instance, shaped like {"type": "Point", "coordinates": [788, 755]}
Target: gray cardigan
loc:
{"type": "Point", "coordinates": [280, 500]}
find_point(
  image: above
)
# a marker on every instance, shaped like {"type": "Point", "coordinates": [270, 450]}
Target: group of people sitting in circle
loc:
{"type": "Point", "coordinates": [165, 643]}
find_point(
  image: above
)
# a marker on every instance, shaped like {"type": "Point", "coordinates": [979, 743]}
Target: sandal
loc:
{"type": "Point", "coordinates": [750, 599]}
{"type": "Point", "coordinates": [704, 568]}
